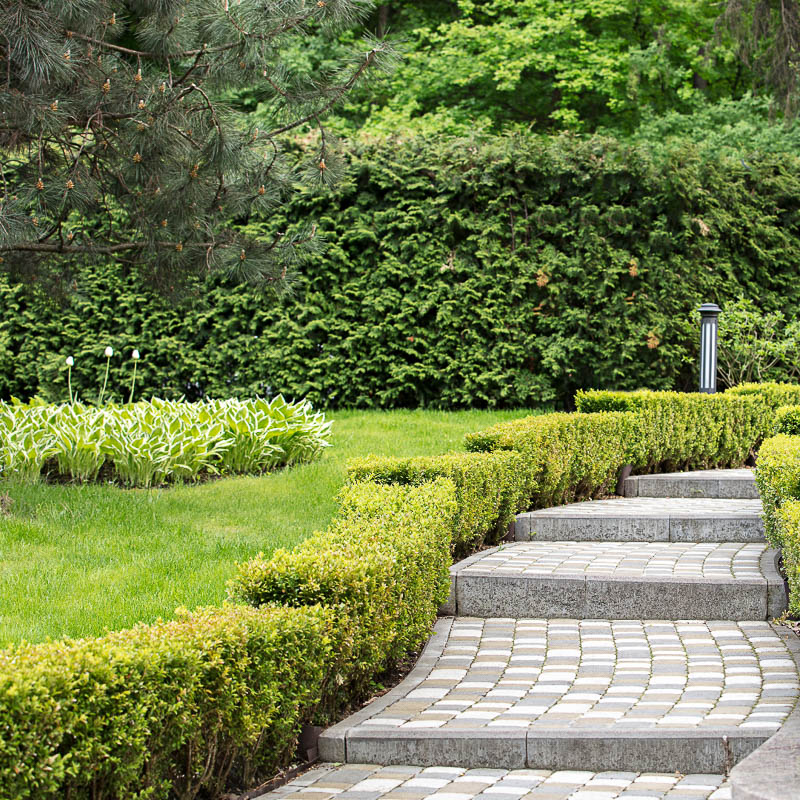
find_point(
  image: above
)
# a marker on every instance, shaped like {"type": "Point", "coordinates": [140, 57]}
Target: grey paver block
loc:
{"type": "Point", "coordinates": [499, 748]}
{"type": "Point", "coordinates": [629, 694]}
{"type": "Point", "coordinates": [658, 752]}
{"type": "Point", "coordinates": [624, 580]}
{"type": "Point", "coordinates": [443, 783]}
{"type": "Point", "coordinates": [646, 519]}
{"type": "Point", "coordinates": [714, 483]}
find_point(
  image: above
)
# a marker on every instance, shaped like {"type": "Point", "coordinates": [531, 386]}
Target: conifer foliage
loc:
{"type": "Point", "coordinates": [114, 140]}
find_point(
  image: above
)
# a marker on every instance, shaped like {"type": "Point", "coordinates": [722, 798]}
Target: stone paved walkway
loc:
{"type": "Point", "coordinates": [715, 483]}
{"type": "Point", "coordinates": [372, 782]}
{"type": "Point", "coordinates": [620, 580]}
{"type": "Point", "coordinates": [659, 519]}
{"type": "Point", "coordinates": [548, 707]}
{"type": "Point", "coordinates": [629, 559]}
{"type": "Point", "coordinates": [601, 674]}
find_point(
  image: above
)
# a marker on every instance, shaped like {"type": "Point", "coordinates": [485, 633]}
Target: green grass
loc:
{"type": "Point", "coordinates": [77, 560]}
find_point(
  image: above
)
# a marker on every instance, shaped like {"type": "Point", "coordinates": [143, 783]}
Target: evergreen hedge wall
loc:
{"type": "Point", "coordinates": [503, 273]}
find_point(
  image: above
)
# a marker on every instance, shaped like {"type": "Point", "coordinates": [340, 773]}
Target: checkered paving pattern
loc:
{"type": "Point", "coordinates": [602, 674]}
{"type": "Point", "coordinates": [657, 506]}
{"type": "Point", "coordinates": [633, 559]}
{"type": "Point", "coordinates": [370, 782]}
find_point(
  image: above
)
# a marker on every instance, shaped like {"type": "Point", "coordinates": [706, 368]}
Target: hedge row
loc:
{"type": "Point", "coordinates": [488, 489]}
{"type": "Point", "coordinates": [383, 564]}
{"type": "Point", "coordinates": [789, 527]}
{"type": "Point", "coordinates": [566, 457]}
{"type": "Point", "coordinates": [778, 480]}
{"type": "Point", "coordinates": [677, 430]}
{"type": "Point", "coordinates": [172, 709]}
{"type": "Point", "coordinates": [787, 420]}
{"type": "Point", "coordinates": [216, 698]}
{"type": "Point", "coordinates": [775, 394]}
{"type": "Point", "coordinates": [501, 273]}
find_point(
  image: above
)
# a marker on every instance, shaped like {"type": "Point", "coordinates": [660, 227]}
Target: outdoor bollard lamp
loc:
{"type": "Point", "coordinates": [708, 347]}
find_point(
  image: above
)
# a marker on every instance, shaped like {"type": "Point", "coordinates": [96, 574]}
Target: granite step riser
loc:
{"type": "Point", "coordinates": [681, 751]}
{"type": "Point", "coordinates": [494, 596]}
{"type": "Point", "coordinates": [711, 489]}
{"type": "Point", "coordinates": [627, 529]}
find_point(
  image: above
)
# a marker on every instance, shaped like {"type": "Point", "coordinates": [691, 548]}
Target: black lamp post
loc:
{"type": "Point", "coordinates": [708, 347]}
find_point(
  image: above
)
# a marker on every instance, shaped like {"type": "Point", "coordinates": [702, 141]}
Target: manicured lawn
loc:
{"type": "Point", "coordinates": [77, 560]}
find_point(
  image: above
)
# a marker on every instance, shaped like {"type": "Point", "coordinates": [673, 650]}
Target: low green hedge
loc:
{"type": "Point", "coordinates": [174, 709]}
{"type": "Point", "coordinates": [775, 394]}
{"type": "Point", "coordinates": [216, 698]}
{"type": "Point", "coordinates": [788, 524]}
{"type": "Point", "coordinates": [383, 563]}
{"type": "Point", "coordinates": [778, 479]}
{"type": "Point", "coordinates": [488, 492]}
{"type": "Point", "coordinates": [566, 457]}
{"type": "Point", "coordinates": [787, 420]}
{"type": "Point", "coordinates": [679, 430]}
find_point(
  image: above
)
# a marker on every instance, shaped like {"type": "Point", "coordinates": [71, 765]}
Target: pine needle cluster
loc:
{"type": "Point", "coordinates": [114, 140]}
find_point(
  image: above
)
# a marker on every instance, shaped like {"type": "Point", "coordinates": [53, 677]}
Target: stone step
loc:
{"type": "Point", "coordinates": [566, 694]}
{"type": "Point", "coordinates": [373, 782]}
{"type": "Point", "coordinates": [621, 580]}
{"type": "Point", "coordinates": [647, 519]}
{"type": "Point", "coordinates": [729, 484]}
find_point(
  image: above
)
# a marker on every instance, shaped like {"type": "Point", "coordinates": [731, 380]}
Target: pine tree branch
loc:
{"type": "Point", "coordinates": [338, 95]}
{"type": "Point", "coordinates": [110, 249]}
{"type": "Point", "coordinates": [288, 25]}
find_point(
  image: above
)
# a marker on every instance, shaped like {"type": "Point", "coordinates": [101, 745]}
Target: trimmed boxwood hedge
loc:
{"type": "Point", "coordinates": [679, 430]}
{"type": "Point", "coordinates": [787, 420]}
{"type": "Point", "coordinates": [778, 480]}
{"type": "Point", "coordinates": [488, 490]}
{"type": "Point", "coordinates": [566, 457]}
{"type": "Point", "coordinates": [788, 525]}
{"type": "Point", "coordinates": [383, 563]}
{"type": "Point", "coordinates": [775, 394]}
{"type": "Point", "coordinates": [171, 709]}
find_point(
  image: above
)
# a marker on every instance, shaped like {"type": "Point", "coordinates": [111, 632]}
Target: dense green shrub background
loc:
{"type": "Point", "coordinates": [507, 272]}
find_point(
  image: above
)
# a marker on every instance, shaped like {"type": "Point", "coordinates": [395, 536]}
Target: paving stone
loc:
{"type": "Point", "coordinates": [628, 635]}
{"type": "Point", "coordinates": [669, 580]}
{"type": "Point", "coordinates": [437, 783]}
{"type": "Point", "coordinates": [645, 519]}
{"type": "Point", "coordinates": [560, 692]}
{"type": "Point", "coordinates": [710, 483]}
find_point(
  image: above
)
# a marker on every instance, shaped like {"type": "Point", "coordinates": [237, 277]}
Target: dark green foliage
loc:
{"type": "Point", "coordinates": [488, 490]}
{"type": "Point", "coordinates": [566, 457]}
{"type": "Point", "coordinates": [113, 140]}
{"type": "Point", "coordinates": [679, 430]}
{"type": "Point", "coordinates": [502, 274]}
{"type": "Point", "coordinates": [383, 562]}
{"type": "Point", "coordinates": [166, 710]}
{"type": "Point", "coordinates": [787, 420]}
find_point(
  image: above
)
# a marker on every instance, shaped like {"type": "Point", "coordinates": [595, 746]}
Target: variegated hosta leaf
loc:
{"type": "Point", "coordinates": [158, 441]}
